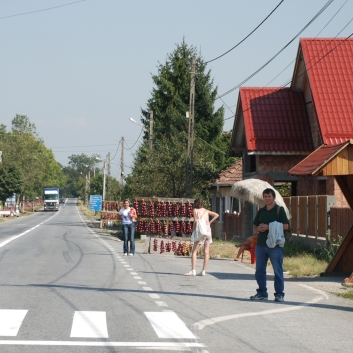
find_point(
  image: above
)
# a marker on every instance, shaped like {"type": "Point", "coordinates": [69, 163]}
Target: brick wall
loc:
{"type": "Point", "coordinates": [275, 163]}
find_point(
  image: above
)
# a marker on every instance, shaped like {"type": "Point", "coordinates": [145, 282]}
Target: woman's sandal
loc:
{"type": "Point", "coordinates": [190, 273]}
{"type": "Point", "coordinates": [236, 259]}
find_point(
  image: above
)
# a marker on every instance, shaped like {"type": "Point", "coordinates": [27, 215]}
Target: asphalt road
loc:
{"type": "Point", "coordinates": [65, 288]}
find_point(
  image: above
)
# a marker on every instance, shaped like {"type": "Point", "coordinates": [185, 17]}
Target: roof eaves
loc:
{"type": "Point", "coordinates": [318, 169]}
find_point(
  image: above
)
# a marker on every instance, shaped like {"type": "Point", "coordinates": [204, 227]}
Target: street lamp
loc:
{"type": "Point", "coordinates": [150, 130]}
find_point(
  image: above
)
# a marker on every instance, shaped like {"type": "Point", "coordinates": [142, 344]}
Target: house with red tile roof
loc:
{"type": "Point", "coordinates": [221, 197]}
{"type": "Point", "coordinates": [276, 128]}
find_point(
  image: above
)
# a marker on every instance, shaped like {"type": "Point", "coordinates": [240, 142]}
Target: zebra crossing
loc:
{"type": "Point", "coordinates": [93, 324]}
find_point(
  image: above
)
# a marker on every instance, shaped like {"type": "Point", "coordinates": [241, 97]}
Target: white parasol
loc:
{"type": "Point", "coordinates": [251, 190]}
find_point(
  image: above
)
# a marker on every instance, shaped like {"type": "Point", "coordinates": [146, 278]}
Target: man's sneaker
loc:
{"type": "Point", "coordinates": [125, 254]}
{"type": "Point", "coordinates": [279, 298]}
{"type": "Point", "coordinates": [131, 254]}
{"type": "Point", "coordinates": [257, 296]}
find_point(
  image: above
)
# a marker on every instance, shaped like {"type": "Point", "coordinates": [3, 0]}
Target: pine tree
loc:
{"type": "Point", "coordinates": [162, 170]}
{"type": "Point", "coordinates": [170, 98]}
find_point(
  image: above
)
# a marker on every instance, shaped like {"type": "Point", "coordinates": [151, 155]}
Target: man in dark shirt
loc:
{"type": "Point", "coordinates": [263, 218]}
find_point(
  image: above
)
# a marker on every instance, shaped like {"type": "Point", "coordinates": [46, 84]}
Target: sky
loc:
{"type": "Point", "coordinates": [81, 71]}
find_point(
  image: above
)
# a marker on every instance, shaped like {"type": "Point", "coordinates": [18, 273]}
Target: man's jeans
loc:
{"type": "Point", "coordinates": [129, 228]}
{"type": "Point", "coordinates": [263, 253]}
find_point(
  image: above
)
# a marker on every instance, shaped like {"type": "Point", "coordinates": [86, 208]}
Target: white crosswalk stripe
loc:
{"type": "Point", "coordinates": [168, 325]}
{"type": "Point", "coordinates": [89, 324]}
{"type": "Point", "coordinates": [93, 324]}
{"type": "Point", "coordinates": [10, 321]}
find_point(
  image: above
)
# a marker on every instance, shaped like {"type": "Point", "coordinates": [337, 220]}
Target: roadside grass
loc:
{"type": "Point", "coordinates": [223, 249]}
{"type": "Point", "coordinates": [305, 265]}
{"type": "Point", "coordinates": [90, 215]}
{"type": "Point", "coordinates": [347, 295]}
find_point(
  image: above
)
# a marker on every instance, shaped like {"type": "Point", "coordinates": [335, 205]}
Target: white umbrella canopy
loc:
{"type": "Point", "coordinates": [251, 190]}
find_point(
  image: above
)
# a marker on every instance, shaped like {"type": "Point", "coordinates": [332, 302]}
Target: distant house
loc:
{"type": "Point", "coordinates": [276, 128]}
{"type": "Point", "coordinates": [221, 198]}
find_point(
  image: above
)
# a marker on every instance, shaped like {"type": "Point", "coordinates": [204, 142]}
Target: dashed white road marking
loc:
{"type": "Point", "coordinates": [168, 325]}
{"type": "Point", "coordinates": [90, 324]}
{"type": "Point", "coordinates": [10, 321]}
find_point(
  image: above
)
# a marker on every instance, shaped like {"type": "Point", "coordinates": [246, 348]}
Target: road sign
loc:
{"type": "Point", "coordinates": [95, 202]}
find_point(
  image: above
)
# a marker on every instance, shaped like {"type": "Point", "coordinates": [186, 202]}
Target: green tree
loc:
{"type": "Point", "coordinates": [21, 123]}
{"type": "Point", "coordinates": [170, 97]}
{"type": "Point", "coordinates": [10, 182]}
{"type": "Point", "coordinates": [26, 152]}
{"type": "Point", "coordinates": [162, 171]}
{"type": "Point", "coordinates": [80, 167]}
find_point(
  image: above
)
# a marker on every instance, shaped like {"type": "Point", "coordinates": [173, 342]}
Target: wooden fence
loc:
{"type": "Point", "coordinates": [341, 221]}
{"type": "Point", "coordinates": [310, 214]}
{"type": "Point", "coordinates": [231, 225]}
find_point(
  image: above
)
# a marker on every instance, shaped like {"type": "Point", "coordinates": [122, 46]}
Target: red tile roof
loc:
{"type": "Point", "coordinates": [275, 120]}
{"type": "Point", "coordinates": [317, 160]}
{"type": "Point", "coordinates": [329, 64]}
{"type": "Point", "coordinates": [231, 175]}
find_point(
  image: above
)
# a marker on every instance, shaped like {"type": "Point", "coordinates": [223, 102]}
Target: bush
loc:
{"type": "Point", "coordinates": [295, 248]}
{"type": "Point", "coordinates": [328, 251]}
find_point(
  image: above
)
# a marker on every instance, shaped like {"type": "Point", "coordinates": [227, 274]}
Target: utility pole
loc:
{"type": "Point", "coordinates": [86, 191]}
{"type": "Point", "coordinates": [191, 115]}
{"type": "Point", "coordinates": [104, 162]}
{"type": "Point", "coordinates": [122, 165]}
{"type": "Point", "coordinates": [109, 182]}
{"type": "Point", "coordinates": [151, 129]}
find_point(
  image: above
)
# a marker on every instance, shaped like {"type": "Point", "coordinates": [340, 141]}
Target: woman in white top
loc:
{"type": "Point", "coordinates": [204, 214]}
{"type": "Point", "coordinates": [128, 226]}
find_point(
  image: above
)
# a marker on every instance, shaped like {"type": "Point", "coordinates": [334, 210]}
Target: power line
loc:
{"type": "Point", "coordinates": [116, 151]}
{"type": "Point", "coordinates": [211, 145]}
{"type": "Point", "coordinates": [270, 60]}
{"type": "Point", "coordinates": [313, 39]}
{"type": "Point", "coordinates": [135, 141]}
{"type": "Point", "coordinates": [225, 104]}
{"type": "Point", "coordinates": [330, 51]}
{"type": "Point", "coordinates": [46, 9]}
{"type": "Point", "coordinates": [307, 46]}
{"type": "Point", "coordinates": [309, 68]}
{"type": "Point", "coordinates": [247, 35]}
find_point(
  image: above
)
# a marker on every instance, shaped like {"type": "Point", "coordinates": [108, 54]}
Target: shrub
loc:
{"type": "Point", "coordinates": [328, 251]}
{"type": "Point", "coordinates": [295, 248]}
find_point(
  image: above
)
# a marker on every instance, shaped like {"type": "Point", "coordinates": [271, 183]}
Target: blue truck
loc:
{"type": "Point", "coordinates": [51, 199]}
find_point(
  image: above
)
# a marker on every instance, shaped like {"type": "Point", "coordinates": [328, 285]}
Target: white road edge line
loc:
{"type": "Point", "coordinates": [27, 231]}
